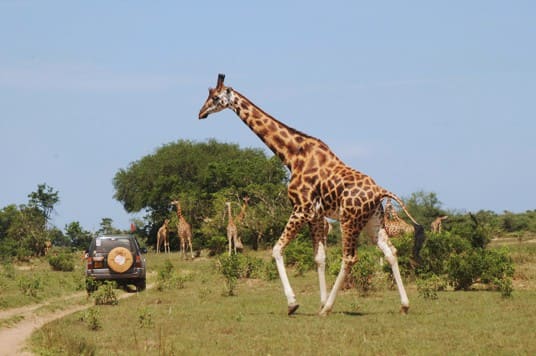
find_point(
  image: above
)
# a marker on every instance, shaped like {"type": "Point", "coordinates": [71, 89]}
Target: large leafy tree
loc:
{"type": "Point", "coordinates": [200, 175]}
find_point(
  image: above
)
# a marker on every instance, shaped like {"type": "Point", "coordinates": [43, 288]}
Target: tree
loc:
{"type": "Point", "coordinates": [424, 207]}
{"type": "Point", "coordinates": [77, 236]}
{"type": "Point", "coordinates": [106, 227]}
{"type": "Point", "coordinates": [200, 175]}
{"type": "Point", "coordinates": [44, 200]}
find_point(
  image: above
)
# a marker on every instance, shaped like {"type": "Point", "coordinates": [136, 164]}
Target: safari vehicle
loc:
{"type": "Point", "coordinates": [115, 258]}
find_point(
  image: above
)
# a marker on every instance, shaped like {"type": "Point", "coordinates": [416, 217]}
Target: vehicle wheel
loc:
{"type": "Point", "coordinates": [141, 285]}
{"type": "Point", "coordinates": [120, 259]}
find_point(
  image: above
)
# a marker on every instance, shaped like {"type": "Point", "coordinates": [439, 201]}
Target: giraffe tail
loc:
{"type": "Point", "coordinates": [419, 236]}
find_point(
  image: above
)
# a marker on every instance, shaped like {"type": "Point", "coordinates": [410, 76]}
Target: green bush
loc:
{"type": "Point", "coordinates": [169, 278]}
{"type": "Point", "coordinates": [299, 254]}
{"type": "Point", "coordinates": [105, 294]}
{"type": "Point", "coordinates": [217, 245]}
{"type": "Point", "coordinates": [229, 267]}
{"type": "Point", "coordinates": [362, 273]}
{"type": "Point", "coordinates": [437, 250]}
{"type": "Point", "coordinates": [486, 266]}
{"type": "Point", "coordinates": [496, 265]}
{"type": "Point", "coordinates": [61, 261]}
{"type": "Point", "coordinates": [464, 269]}
{"type": "Point", "coordinates": [92, 318]}
{"type": "Point", "coordinates": [428, 286]}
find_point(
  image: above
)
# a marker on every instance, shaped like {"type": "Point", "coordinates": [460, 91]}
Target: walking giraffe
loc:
{"type": "Point", "coordinates": [184, 230]}
{"type": "Point", "coordinates": [321, 185]}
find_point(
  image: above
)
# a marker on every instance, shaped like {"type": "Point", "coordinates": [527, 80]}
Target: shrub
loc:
{"type": "Point", "coordinates": [430, 285]}
{"type": "Point", "coordinates": [92, 318]}
{"type": "Point", "coordinates": [505, 286]}
{"type": "Point", "coordinates": [496, 265]}
{"type": "Point", "coordinates": [270, 271]}
{"type": "Point", "coordinates": [229, 267]}
{"type": "Point", "coordinates": [168, 278]}
{"type": "Point", "coordinates": [436, 252]}
{"type": "Point", "coordinates": [463, 269]}
{"type": "Point", "coordinates": [363, 271]}
{"type": "Point", "coordinates": [217, 245]}
{"type": "Point", "coordinates": [105, 294]}
{"type": "Point", "coordinates": [61, 261]}
{"type": "Point", "coordinates": [299, 254]}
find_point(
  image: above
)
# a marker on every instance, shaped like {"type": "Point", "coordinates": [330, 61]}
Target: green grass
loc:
{"type": "Point", "coordinates": [29, 283]}
{"type": "Point", "coordinates": [199, 319]}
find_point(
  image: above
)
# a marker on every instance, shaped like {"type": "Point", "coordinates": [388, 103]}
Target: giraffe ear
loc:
{"type": "Point", "coordinates": [221, 78]}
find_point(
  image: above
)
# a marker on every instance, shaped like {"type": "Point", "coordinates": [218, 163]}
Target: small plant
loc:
{"type": "Point", "coordinates": [92, 318]}
{"type": "Point", "coordinates": [229, 267]}
{"type": "Point", "coordinates": [145, 318]}
{"type": "Point", "coordinates": [105, 294]}
{"type": "Point", "coordinates": [169, 278]}
{"type": "Point", "coordinates": [505, 286]}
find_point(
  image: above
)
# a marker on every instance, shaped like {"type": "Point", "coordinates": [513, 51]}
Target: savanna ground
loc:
{"type": "Point", "coordinates": [197, 316]}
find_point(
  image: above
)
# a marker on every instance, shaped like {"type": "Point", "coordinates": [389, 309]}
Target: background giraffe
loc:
{"type": "Point", "coordinates": [184, 230]}
{"type": "Point", "coordinates": [435, 226]}
{"type": "Point", "coordinates": [162, 237]}
{"type": "Point", "coordinates": [321, 185]}
{"type": "Point", "coordinates": [394, 225]}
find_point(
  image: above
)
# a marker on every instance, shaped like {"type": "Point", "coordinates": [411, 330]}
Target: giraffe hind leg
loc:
{"type": "Point", "coordinates": [390, 255]}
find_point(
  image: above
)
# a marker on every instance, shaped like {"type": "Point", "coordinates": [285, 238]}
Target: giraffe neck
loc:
{"type": "Point", "coordinates": [229, 212]}
{"type": "Point", "coordinates": [179, 211]}
{"type": "Point", "coordinates": [242, 213]}
{"type": "Point", "coordinates": [283, 140]}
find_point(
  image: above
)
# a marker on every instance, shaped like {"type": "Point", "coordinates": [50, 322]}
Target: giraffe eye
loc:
{"type": "Point", "coordinates": [216, 98]}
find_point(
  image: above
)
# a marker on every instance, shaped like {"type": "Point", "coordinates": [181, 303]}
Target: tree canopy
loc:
{"type": "Point", "coordinates": [202, 176]}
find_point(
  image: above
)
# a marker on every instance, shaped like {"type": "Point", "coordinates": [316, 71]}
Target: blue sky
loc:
{"type": "Point", "coordinates": [421, 95]}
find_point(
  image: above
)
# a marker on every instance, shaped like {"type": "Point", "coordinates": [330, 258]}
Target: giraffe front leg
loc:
{"type": "Point", "coordinates": [390, 255]}
{"type": "Point", "coordinates": [294, 223]}
{"type": "Point", "coordinates": [277, 254]}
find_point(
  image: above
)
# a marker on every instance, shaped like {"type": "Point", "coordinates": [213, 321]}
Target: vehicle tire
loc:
{"type": "Point", "coordinates": [120, 259]}
{"type": "Point", "coordinates": [141, 285]}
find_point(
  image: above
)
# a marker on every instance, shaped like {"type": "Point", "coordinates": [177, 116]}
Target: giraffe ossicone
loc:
{"type": "Point", "coordinates": [321, 185]}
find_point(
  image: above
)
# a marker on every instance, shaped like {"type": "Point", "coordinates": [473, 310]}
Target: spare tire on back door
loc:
{"type": "Point", "coordinates": [120, 259]}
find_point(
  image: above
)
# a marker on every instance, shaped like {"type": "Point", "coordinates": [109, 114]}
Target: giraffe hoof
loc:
{"type": "Point", "coordinates": [292, 309]}
{"type": "Point", "coordinates": [404, 310]}
{"type": "Point", "coordinates": [324, 312]}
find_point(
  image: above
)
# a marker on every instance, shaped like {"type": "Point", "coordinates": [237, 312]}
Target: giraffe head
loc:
{"type": "Point", "coordinates": [218, 99]}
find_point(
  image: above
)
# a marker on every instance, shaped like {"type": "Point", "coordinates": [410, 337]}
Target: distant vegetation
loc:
{"type": "Point", "coordinates": [203, 176]}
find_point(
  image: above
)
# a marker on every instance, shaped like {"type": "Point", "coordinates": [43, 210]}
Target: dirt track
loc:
{"type": "Point", "coordinates": [13, 338]}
